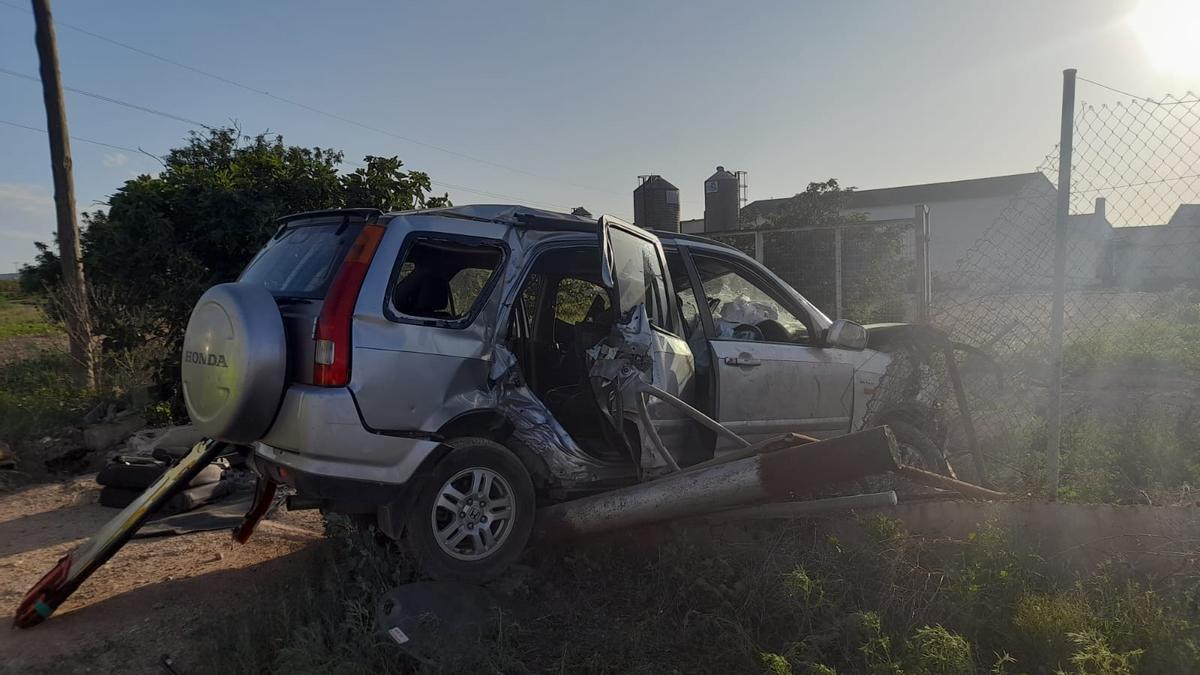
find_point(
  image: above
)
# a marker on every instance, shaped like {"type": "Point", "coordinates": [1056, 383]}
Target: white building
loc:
{"type": "Point", "coordinates": [960, 214]}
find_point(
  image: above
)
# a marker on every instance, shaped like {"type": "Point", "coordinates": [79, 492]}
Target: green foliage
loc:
{"type": "Point", "coordinates": [937, 651]}
{"type": "Point", "coordinates": [1166, 337]}
{"type": "Point", "coordinates": [822, 204]}
{"type": "Point", "coordinates": [874, 257]}
{"type": "Point", "coordinates": [20, 314]}
{"type": "Point", "coordinates": [1147, 452]}
{"type": "Point", "coordinates": [159, 414]}
{"type": "Point", "coordinates": [165, 239]}
{"type": "Point", "coordinates": [38, 395]}
{"type": "Point", "coordinates": [796, 602]}
{"type": "Point", "coordinates": [1095, 657]}
{"type": "Point", "coordinates": [776, 664]}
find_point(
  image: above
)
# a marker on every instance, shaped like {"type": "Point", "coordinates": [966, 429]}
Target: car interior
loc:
{"type": "Point", "coordinates": [562, 312]}
{"type": "Point", "coordinates": [442, 278]}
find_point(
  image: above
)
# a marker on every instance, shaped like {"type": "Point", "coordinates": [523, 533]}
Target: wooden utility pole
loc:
{"type": "Point", "coordinates": [74, 292]}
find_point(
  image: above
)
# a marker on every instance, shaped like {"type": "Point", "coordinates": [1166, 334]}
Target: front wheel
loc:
{"type": "Point", "coordinates": [473, 514]}
{"type": "Point", "coordinates": [918, 449]}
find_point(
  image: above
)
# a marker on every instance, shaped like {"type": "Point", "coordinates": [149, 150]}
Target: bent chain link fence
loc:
{"type": "Point", "coordinates": [1132, 305]}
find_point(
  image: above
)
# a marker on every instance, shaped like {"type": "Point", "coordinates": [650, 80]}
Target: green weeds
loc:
{"type": "Point", "coordinates": [794, 602]}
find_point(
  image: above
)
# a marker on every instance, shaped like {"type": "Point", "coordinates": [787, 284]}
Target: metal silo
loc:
{"type": "Point", "coordinates": [656, 204]}
{"type": "Point", "coordinates": [722, 200]}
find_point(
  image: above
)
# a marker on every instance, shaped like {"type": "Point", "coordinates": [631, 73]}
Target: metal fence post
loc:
{"type": "Point", "coordinates": [1054, 405]}
{"type": "Point", "coordinates": [837, 272]}
{"type": "Point", "coordinates": [921, 260]}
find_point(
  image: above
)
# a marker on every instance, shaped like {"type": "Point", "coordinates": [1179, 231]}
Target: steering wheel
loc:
{"type": "Point", "coordinates": [748, 332]}
{"type": "Point", "coordinates": [773, 331]}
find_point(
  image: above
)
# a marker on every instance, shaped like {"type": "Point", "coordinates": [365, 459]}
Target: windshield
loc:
{"type": "Point", "coordinates": [300, 262]}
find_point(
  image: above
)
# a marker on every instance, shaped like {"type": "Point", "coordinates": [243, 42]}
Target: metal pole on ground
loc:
{"type": "Point", "coordinates": [75, 297]}
{"type": "Point", "coordinates": [1054, 405]}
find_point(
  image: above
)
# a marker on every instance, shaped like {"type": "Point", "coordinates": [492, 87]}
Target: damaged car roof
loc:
{"type": "Point", "coordinates": [517, 216]}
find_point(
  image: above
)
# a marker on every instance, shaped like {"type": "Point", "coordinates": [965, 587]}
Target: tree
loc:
{"type": "Point", "coordinates": [799, 245]}
{"type": "Point", "coordinates": [165, 239]}
{"type": "Point", "coordinates": [821, 204]}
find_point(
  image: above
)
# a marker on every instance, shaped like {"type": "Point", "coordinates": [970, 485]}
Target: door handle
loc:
{"type": "Point", "coordinates": [743, 360]}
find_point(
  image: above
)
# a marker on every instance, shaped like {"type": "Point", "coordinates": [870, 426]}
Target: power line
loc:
{"type": "Point", "coordinates": [443, 184]}
{"type": "Point", "coordinates": [485, 193]}
{"type": "Point", "coordinates": [109, 99]}
{"type": "Point", "coordinates": [74, 138]}
{"type": "Point", "coordinates": [305, 106]}
{"type": "Point", "coordinates": [1144, 99]}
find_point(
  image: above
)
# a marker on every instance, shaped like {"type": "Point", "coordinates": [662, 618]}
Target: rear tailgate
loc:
{"type": "Point", "coordinates": [297, 266]}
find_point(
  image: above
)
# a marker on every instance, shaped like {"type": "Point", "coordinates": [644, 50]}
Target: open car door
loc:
{"type": "Point", "coordinates": [645, 345]}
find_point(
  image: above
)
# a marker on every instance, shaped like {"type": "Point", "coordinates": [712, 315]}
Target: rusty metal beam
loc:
{"type": "Point", "coordinates": [771, 444]}
{"type": "Point", "coordinates": [808, 507]}
{"type": "Point", "coordinates": [930, 479]}
{"type": "Point", "coordinates": [964, 413]}
{"type": "Point", "coordinates": [682, 406]}
{"type": "Point", "coordinates": [775, 476]}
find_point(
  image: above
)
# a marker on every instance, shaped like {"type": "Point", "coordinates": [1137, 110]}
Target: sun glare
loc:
{"type": "Point", "coordinates": [1169, 31]}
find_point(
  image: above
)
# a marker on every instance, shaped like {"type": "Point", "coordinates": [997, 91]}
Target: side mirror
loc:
{"type": "Point", "coordinates": [846, 335]}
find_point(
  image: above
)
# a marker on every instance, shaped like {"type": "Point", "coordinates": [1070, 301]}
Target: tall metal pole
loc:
{"type": "Point", "coordinates": [75, 304]}
{"type": "Point", "coordinates": [1054, 406]}
{"type": "Point", "coordinates": [921, 254]}
{"type": "Point", "coordinates": [837, 272]}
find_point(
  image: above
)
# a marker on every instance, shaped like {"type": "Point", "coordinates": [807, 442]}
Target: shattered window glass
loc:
{"type": "Point", "coordinates": [685, 295]}
{"type": "Point", "coordinates": [300, 261]}
{"type": "Point", "coordinates": [736, 301]}
{"type": "Point", "coordinates": [639, 275]}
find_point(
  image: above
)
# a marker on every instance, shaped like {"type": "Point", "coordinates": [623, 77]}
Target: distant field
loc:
{"type": "Point", "coordinates": [20, 315]}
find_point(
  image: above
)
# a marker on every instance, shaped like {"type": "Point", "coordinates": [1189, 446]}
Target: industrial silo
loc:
{"type": "Point", "coordinates": [656, 204]}
{"type": "Point", "coordinates": [722, 201]}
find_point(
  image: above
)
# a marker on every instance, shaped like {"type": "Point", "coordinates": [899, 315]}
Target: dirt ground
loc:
{"type": "Point", "coordinates": [148, 601]}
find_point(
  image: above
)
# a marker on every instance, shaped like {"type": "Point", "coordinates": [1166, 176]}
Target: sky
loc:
{"type": "Point", "coordinates": [563, 104]}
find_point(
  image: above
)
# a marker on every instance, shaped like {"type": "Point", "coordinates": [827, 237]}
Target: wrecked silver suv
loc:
{"type": "Point", "coordinates": [444, 372]}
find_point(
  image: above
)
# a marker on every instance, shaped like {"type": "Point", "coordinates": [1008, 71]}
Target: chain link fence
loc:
{"type": "Point", "coordinates": [1131, 309]}
{"type": "Point", "coordinates": [862, 270]}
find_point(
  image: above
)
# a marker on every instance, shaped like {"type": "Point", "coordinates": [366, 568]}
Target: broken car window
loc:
{"type": "Point", "coordinates": [639, 275]}
{"type": "Point", "coordinates": [578, 300]}
{"type": "Point", "coordinates": [299, 262]}
{"type": "Point", "coordinates": [685, 295]}
{"type": "Point", "coordinates": [443, 278]}
{"type": "Point", "coordinates": [743, 310]}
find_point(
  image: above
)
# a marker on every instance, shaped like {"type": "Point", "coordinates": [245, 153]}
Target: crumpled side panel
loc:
{"type": "Point", "coordinates": [535, 426]}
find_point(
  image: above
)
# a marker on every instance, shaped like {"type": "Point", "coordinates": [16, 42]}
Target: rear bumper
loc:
{"type": "Point", "coordinates": [318, 432]}
{"type": "Point", "coordinates": [328, 489]}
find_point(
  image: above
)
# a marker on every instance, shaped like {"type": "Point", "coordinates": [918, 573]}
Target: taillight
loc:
{"type": "Point", "coordinates": [331, 358]}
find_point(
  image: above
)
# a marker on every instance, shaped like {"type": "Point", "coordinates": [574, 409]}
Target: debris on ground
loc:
{"type": "Point", "coordinates": [7, 459]}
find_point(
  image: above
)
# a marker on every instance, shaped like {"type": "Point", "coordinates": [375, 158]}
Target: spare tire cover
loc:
{"type": "Point", "coordinates": [234, 362]}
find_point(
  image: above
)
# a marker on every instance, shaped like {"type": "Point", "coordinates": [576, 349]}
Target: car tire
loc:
{"type": "Point", "coordinates": [918, 449]}
{"type": "Point", "coordinates": [486, 531]}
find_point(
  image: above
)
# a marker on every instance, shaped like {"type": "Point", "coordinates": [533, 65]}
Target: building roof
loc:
{"type": "Point", "coordinates": [957, 190]}
{"type": "Point", "coordinates": [655, 182]}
